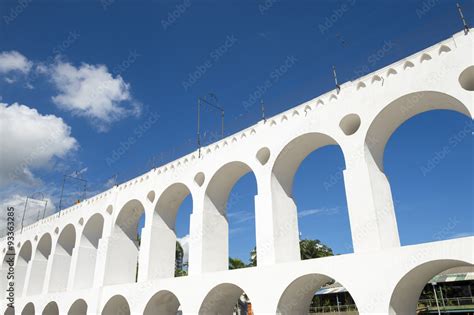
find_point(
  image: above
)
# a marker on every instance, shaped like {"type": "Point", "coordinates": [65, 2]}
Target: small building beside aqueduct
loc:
{"type": "Point", "coordinates": [84, 260]}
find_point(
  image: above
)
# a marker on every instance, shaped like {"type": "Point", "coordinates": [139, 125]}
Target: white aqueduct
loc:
{"type": "Point", "coordinates": [85, 260]}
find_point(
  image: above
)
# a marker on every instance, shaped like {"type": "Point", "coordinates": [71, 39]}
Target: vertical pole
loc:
{"type": "Point", "coordinates": [44, 210]}
{"type": "Point", "coordinates": [262, 107]}
{"type": "Point", "coordinates": [61, 199]}
{"type": "Point", "coordinates": [222, 124]}
{"type": "Point", "coordinates": [436, 298]}
{"type": "Point", "coordinates": [338, 88]}
{"type": "Point", "coordinates": [24, 212]}
{"type": "Point", "coordinates": [198, 126]}
{"type": "Point", "coordinates": [465, 25]}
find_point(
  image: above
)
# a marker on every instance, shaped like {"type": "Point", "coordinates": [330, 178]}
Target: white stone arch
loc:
{"type": "Point", "coordinates": [221, 299]}
{"type": "Point", "coordinates": [162, 249]}
{"type": "Point", "coordinates": [116, 305]}
{"type": "Point", "coordinates": [21, 266]}
{"type": "Point", "coordinates": [297, 296]}
{"type": "Point", "coordinates": [215, 227]}
{"type": "Point", "coordinates": [39, 264]}
{"type": "Point", "coordinates": [87, 252]}
{"type": "Point", "coordinates": [28, 309]}
{"type": "Point", "coordinates": [124, 247]}
{"type": "Point", "coordinates": [79, 307]}
{"type": "Point", "coordinates": [407, 291]}
{"type": "Point", "coordinates": [291, 156]}
{"type": "Point", "coordinates": [163, 302]}
{"type": "Point", "coordinates": [62, 259]}
{"type": "Point", "coordinates": [283, 169]}
{"type": "Point", "coordinates": [394, 114]}
{"type": "Point", "coordinates": [51, 309]}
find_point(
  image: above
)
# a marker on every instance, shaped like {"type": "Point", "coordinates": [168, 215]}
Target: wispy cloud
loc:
{"type": "Point", "coordinates": [322, 211]}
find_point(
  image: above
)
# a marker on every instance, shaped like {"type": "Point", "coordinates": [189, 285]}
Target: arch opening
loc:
{"type": "Point", "coordinates": [87, 252]}
{"type": "Point", "coordinates": [124, 248]}
{"type": "Point", "coordinates": [116, 305]}
{"type": "Point", "coordinates": [428, 161]}
{"type": "Point", "coordinates": [309, 196]}
{"type": "Point", "coordinates": [29, 309]}
{"type": "Point", "coordinates": [62, 259]}
{"type": "Point", "coordinates": [21, 266]}
{"type": "Point", "coordinates": [79, 307]}
{"type": "Point", "coordinates": [163, 303]}
{"type": "Point", "coordinates": [466, 79]}
{"type": "Point", "coordinates": [51, 309]}
{"type": "Point", "coordinates": [221, 204]}
{"type": "Point", "coordinates": [399, 111]}
{"type": "Point", "coordinates": [168, 251]}
{"type": "Point", "coordinates": [39, 264]}
{"type": "Point", "coordinates": [226, 299]}
{"type": "Point", "coordinates": [418, 293]}
{"type": "Point", "coordinates": [316, 293]}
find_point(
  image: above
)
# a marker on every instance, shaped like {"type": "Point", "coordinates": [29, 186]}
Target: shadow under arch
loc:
{"type": "Point", "coordinates": [162, 255]}
{"type": "Point", "coordinates": [215, 230]}
{"type": "Point", "coordinates": [405, 296]}
{"type": "Point", "coordinates": [39, 264]}
{"type": "Point", "coordinates": [221, 300]}
{"type": "Point", "coordinates": [87, 252]}
{"type": "Point", "coordinates": [297, 296]}
{"type": "Point", "coordinates": [51, 309]}
{"type": "Point", "coordinates": [29, 309]}
{"type": "Point", "coordinates": [116, 305]}
{"type": "Point", "coordinates": [21, 266]}
{"type": "Point", "coordinates": [399, 111]}
{"type": "Point", "coordinates": [123, 251]}
{"type": "Point", "coordinates": [79, 307]}
{"type": "Point", "coordinates": [162, 303]}
{"type": "Point", "coordinates": [62, 259]}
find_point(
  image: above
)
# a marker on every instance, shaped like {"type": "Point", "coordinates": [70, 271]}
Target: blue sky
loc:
{"type": "Point", "coordinates": [157, 57]}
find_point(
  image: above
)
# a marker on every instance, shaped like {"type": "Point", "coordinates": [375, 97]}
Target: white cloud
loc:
{"type": "Point", "coordinates": [30, 141]}
{"type": "Point", "coordinates": [14, 61]}
{"type": "Point", "coordinates": [91, 91]}
{"type": "Point", "coordinates": [309, 212]}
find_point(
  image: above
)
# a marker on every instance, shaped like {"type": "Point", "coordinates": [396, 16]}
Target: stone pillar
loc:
{"type": "Point", "coordinates": [370, 204]}
{"type": "Point", "coordinates": [276, 221]}
{"type": "Point", "coordinates": [157, 250]}
{"type": "Point", "coordinates": [73, 266]}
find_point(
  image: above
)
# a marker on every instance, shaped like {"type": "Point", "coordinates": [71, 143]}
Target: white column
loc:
{"type": "Point", "coordinates": [276, 221]}
{"type": "Point", "coordinates": [73, 266]}
{"type": "Point", "coordinates": [370, 204]}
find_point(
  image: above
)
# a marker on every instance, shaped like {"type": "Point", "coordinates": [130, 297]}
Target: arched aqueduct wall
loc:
{"type": "Point", "coordinates": [86, 256]}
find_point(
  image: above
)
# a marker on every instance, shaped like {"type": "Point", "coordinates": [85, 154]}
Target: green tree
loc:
{"type": "Point", "coordinates": [314, 249]}
{"type": "Point", "coordinates": [308, 249]}
{"type": "Point", "coordinates": [179, 264]}
{"type": "Point", "coordinates": [235, 263]}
